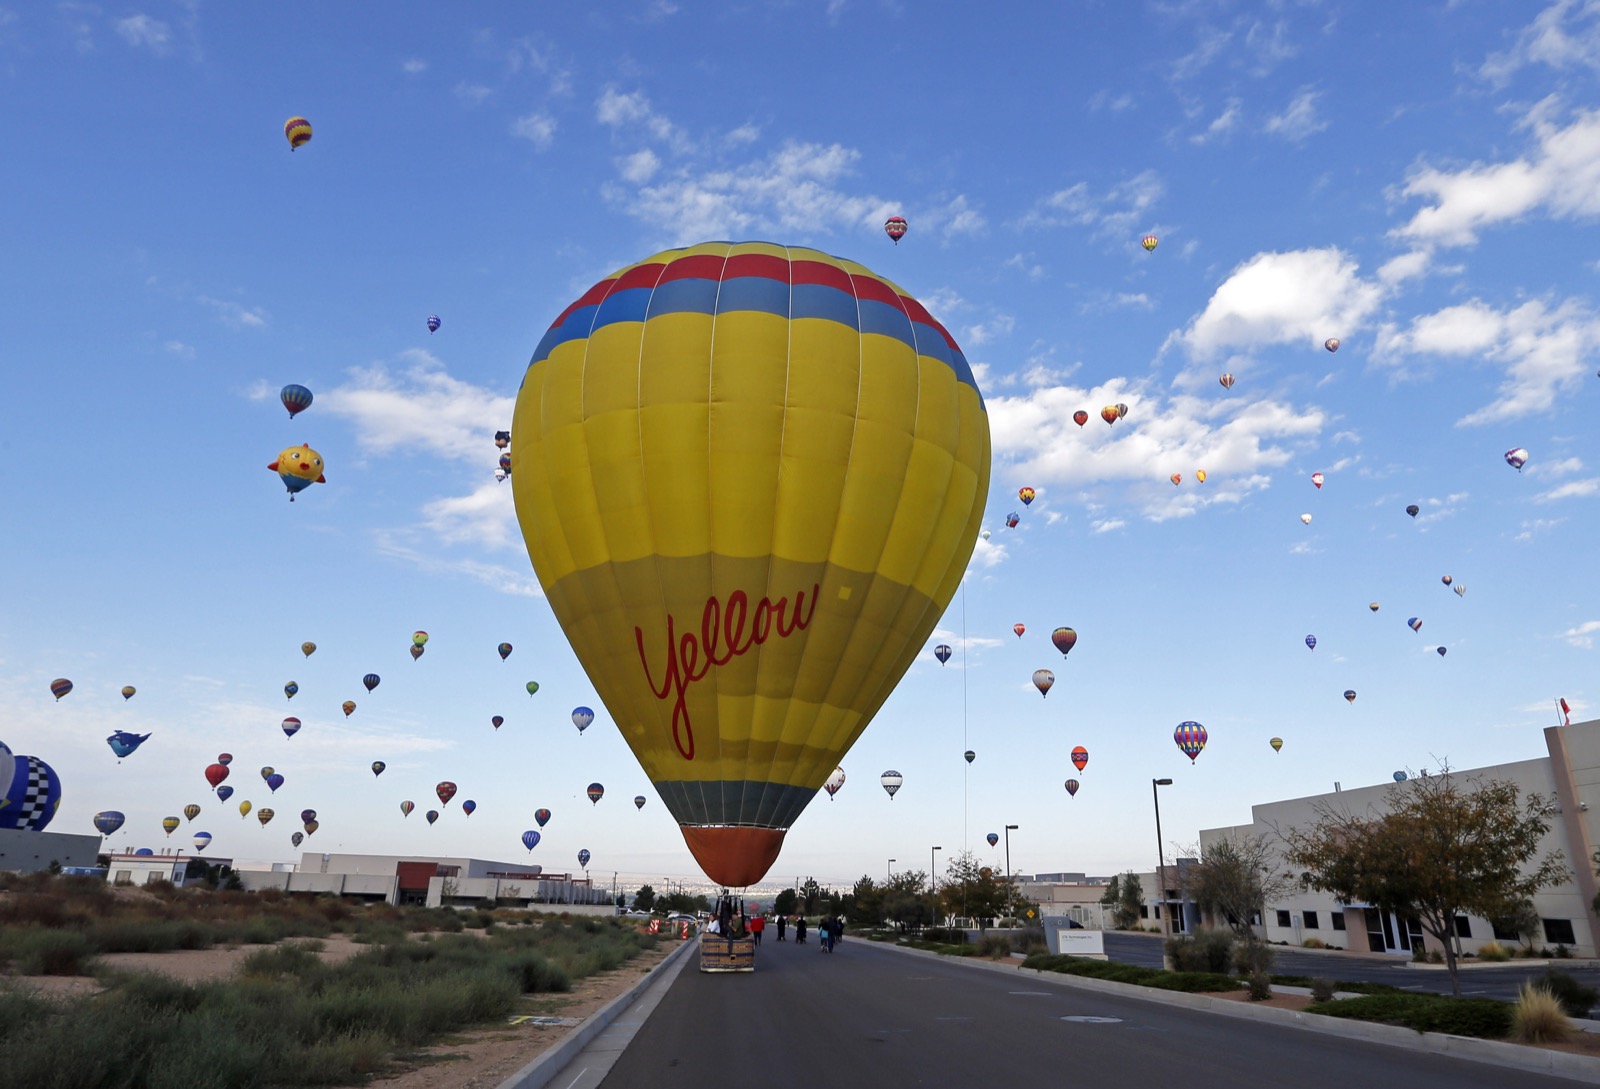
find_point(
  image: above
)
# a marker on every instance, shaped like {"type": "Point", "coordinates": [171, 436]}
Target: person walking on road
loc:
{"type": "Point", "coordinates": [800, 930]}
{"type": "Point", "coordinates": [783, 922]}
{"type": "Point", "coordinates": [758, 923]}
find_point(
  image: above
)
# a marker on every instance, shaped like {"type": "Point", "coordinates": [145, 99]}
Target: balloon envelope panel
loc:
{"type": "Point", "coordinates": [756, 477]}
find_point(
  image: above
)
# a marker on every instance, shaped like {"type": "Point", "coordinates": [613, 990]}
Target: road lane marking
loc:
{"type": "Point", "coordinates": [1084, 1019]}
{"type": "Point", "coordinates": [1046, 994]}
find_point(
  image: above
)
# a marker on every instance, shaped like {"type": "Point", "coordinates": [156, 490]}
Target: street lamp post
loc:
{"type": "Point", "coordinates": [933, 881]}
{"type": "Point", "coordinates": [1009, 829]}
{"type": "Point", "coordinates": [888, 871]}
{"type": "Point", "coordinates": [1161, 857]}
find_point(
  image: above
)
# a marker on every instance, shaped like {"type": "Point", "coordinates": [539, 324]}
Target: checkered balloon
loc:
{"type": "Point", "coordinates": [35, 795]}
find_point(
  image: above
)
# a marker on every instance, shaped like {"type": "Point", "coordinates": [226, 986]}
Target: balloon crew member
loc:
{"type": "Point", "coordinates": [800, 930]}
{"type": "Point", "coordinates": [757, 924]}
{"type": "Point", "coordinates": [783, 923]}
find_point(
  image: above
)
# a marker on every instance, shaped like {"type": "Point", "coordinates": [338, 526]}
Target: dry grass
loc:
{"type": "Point", "coordinates": [1538, 1017]}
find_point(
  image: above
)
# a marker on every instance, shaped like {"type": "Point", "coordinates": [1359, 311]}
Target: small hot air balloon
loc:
{"type": "Point", "coordinates": [541, 817]}
{"type": "Point", "coordinates": [419, 638]}
{"type": "Point", "coordinates": [1190, 737]}
{"type": "Point", "coordinates": [191, 811]}
{"type": "Point", "coordinates": [297, 130]}
{"type": "Point", "coordinates": [891, 781]}
{"type": "Point", "coordinates": [1412, 509]}
{"type": "Point", "coordinates": [124, 743]}
{"type": "Point", "coordinates": [170, 824]}
{"type": "Point", "coordinates": [530, 840]}
{"type": "Point", "coordinates": [1332, 344]}
{"type": "Point", "coordinates": [969, 756]}
{"type": "Point", "coordinates": [1517, 458]}
{"type": "Point", "coordinates": [638, 801]}
{"type": "Point", "coordinates": [289, 690]}
{"type": "Point", "coordinates": [1460, 588]}
{"type": "Point", "coordinates": [583, 858]}
{"type": "Point", "coordinates": [532, 687]}
{"type": "Point", "coordinates": [1415, 623]}
{"type": "Point", "coordinates": [595, 792]}
{"type": "Point", "coordinates": [1350, 695]}
{"type": "Point", "coordinates": [1122, 409]}
{"type": "Point", "coordinates": [942, 652]}
{"type": "Point", "coordinates": [202, 840]}
{"type": "Point", "coordinates": [895, 228]}
{"type": "Point", "coordinates": [1317, 479]}
{"type": "Point", "coordinates": [1200, 475]}
{"type": "Point", "coordinates": [417, 652]}
{"type": "Point", "coordinates": [298, 467]}
{"type": "Point", "coordinates": [1080, 757]}
{"type": "Point", "coordinates": [297, 839]}
{"type": "Point", "coordinates": [267, 772]}
{"type": "Point", "coordinates": [348, 707]}
{"type": "Point", "coordinates": [274, 781]}
{"type": "Point", "coordinates": [406, 807]}
{"type": "Point", "coordinates": [60, 687]}
{"type": "Point", "coordinates": [1064, 639]}
{"type": "Point", "coordinates": [1311, 642]}
{"type": "Point", "coordinates": [295, 398]}
{"type": "Point", "coordinates": [1109, 414]}
{"type": "Point", "coordinates": [1446, 579]}
{"type": "Point", "coordinates": [1042, 680]}
{"type": "Point", "coordinates": [1399, 776]}
{"type": "Point", "coordinates": [434, 323]}
{"type": "Point", "coordinates": [1012, 519]}
{"type": "Point", "coordinates": [1305, 519]}
{"type": "Point", "coordinates": [224, 793]}
{"type": "Point", "coordinates": [1150, 242]}
{"type": "Point", "coordinates": [468, 806]}
{"type": "Point", "coordinates": [504, 465]}
{"type": "Point", "coordinates": [1226, 380]}
{"type": "Point", "coordinates": [1176, 478]}
{"type": "Point", "coordinates": [1080, 417]}
{"type": "Point", "coordinates": [834, 782]}
{"type": "Point", "coordinates": [993, 838]}
{"type": "Point", "coordinates": [224, 758]}
{"type": "Point", "coordinates": [244, 808]}
{"type": "Point", "coordinates": [985, 533]}
{"type": "Point", "coordinates": [1441, 651]}
{"type": "Point", "coordinates": [502, 439]}
{"type": "Point", "coordinates": [1019, 629]}
{"type": "Point", "coordinates": [1072, 787]}
{"type": "Point", "coordinates": [108, 821]}
{"type": "Point", "coordinates": [445, 790]}
{"type": "Point", "coordinates": [308, 649]}
{"type": "Point", "coordinates": [215, 774]}
{"type": "Point", "coordinates": [291, 726]}
{"type": "Point", "coordinates": [128, 691]}
{"type": "Point", "coordinates": [371, 681]}
{"type": "Point", "coordinates": [1373, 606]}
{"type": "Point", "coordinates": [497, 721]}
{"type": "Point", "coordinates": [581, 717]}
{"type": "Point", "coordinates": [1026, 495]}
{"type": "Point", "coordinates": [432, 815]}
{"type": "Point", "coordinates": [505, 651]}
{"type": "Point", "coordinates": [1277, 744]}
{"type": "Point", "coordinates": [377, 767]}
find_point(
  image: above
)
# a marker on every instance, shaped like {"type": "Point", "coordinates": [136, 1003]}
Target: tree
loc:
{"type": "Point", "coordinates": [1235, 879]}
{"type": "Point", "coordinates": [786, 902]}
{"type": "Point", "coordinates": [1444, 847]}
{"type": "Point", "coordinates": [644, 899]}
{"type": "Point", "coordinates": [1126, 913]}
{"type": "Point", "coordinates": [905, 899]}
{"type": "Point", "coordinates": [864, 905]}
{"type": "Point", "coordinates": [1522, 919]}
{"type": "Point", "coordinates": [972, 889]}
{"type": "Point", "coordinates": [1111, 898]}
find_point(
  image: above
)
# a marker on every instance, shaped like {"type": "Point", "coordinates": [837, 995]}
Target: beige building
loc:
{"type": "Point", "coordinates": [1570, 773]}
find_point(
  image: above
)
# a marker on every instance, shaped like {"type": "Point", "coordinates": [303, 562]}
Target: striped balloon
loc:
{"type": "Point", "coordinates": [60, 687]}
{"type": "Point", "coordinates": [1191, 738]}
{"type": "Point", "coordinates": [297, 130]}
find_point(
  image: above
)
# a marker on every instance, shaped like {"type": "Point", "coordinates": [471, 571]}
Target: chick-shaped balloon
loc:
{"type": "Point", "coordinates": [298, 467]}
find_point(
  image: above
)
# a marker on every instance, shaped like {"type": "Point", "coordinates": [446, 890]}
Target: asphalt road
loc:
{"type": "Point", "coordinates": [871, 1017]}
{"type": "Point", "coordinates": [1501, 983]}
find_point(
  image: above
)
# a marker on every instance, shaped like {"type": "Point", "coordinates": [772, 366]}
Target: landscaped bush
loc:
{"type": "Point", "coordinates": [940, 935]}
{"type": "Point", "coordinates": [1260, 986]}
{"type": "Point", "coordinates": [1322, 990]}
{"type": "Point", "coordinates": [1205, 951]}
{"type": "Point", "coordinates": [1313, 943]}
{"type": "Point", "coordinates": [994, 946]}
{"type": "Point", "coordinates": [1493, 951]}
{"type": "Point", "coordinates": [1194, 982]}
{"type": "Point", "coordinates": [1482, 1017]}
{"type": "Point", "coordinates": [1538, 1017]}
{"type": "Point", "coordinates": [1574, 997]}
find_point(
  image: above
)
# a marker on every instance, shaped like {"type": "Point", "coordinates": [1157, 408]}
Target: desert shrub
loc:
{"type": "Point", "coordinates": [37, 951]}
{"type": "Point", "coordinates": [1260, 986]}
{"type": "Point", "coordinates": [299, 959]}
{"type": "Point", "coordinates": [1313, 943]}
{"type": "Point", "coordinates": [1322, 990]}
{"type": "Point", "coordinates": [1032, 948]}
{"type": "Point", "coordinates": [940, 935]}
{"type": "Point", "coordinates": [1482, 1017]}
{"type": "Point", "coordinates": [1493, 951]}
{"type": "Point", "coordinates": [994, 946]}
{"type": "Point", "coordinates": [1538, 1017]}
{"type": "Point", "coordinates": [1205, 951]}
{"type": "Point", "coordinates": [1574, 997]}
{"type": "Point", "coordinates": [1248, 958]}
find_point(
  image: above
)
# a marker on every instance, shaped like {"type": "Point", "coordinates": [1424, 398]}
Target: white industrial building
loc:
{"type": "Point", "coordinates": [435, 881]}
{"type": "Point", "coordinates": [27, 852]}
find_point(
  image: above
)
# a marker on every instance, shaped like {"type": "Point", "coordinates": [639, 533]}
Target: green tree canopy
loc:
{"type": "Point", "coordinates": [644, 899]}
{"type": "Point", "coordinates": [1236, 878]}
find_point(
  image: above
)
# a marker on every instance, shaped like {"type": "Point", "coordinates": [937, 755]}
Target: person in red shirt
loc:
{"type": "Point", "coordinates": [758, 923]}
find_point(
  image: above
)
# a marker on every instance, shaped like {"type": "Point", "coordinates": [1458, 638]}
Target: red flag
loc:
{"type": "Point", "coordinates": [1566, 713]}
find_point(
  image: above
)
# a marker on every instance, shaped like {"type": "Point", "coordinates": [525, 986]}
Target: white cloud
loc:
{"type": "Point", "coordinates": [657, 11]}
{"type": "Point", "coordinates": [233, 314]}
{"type": "Point", "coordinates": [1118, 212]}
{"type": "Point", "coordinates": [1535, 526]}
{"type": "Point", "coordinates": [179, 349]}
{"type": "Point", "coordinates": [472, 94]}
{"type": "Point", "coordinates": [485, 517]}
{"type": "Point", "coordinates": [1221, 125]}
{"type": "Point", "coordinates": [744, 134]}
{"type": "Point", "coordinates": [1299, 119]}
{"type": "Point", "coordinates": [1556, 468]}
{"type": "Point", "coordinates": [1576, 489]}
{"type": "Point", "coordinates": [141, 31]}
{"type": "Point", "coordinates": [617, 110]}
{"type": "Point", "coordinates": [1105, 100]}
{"type": "Point", "coordinates": [79, 19]}
{"type": "Point", "coordinates": [1560, 176]}
{"type": "Point", "coordinates": [421, 407]}
{"type": "Point", "coordinates": [1583, 634]}
{"type": "Point", "coordinates": [413, 66]}
{"type": "Point", "coordinates": [1556, 38]}
{"type": "Point", "coordinates": [501, 579]}
{"type": "Point", "coordinates": [639, 167]}
{"type": "Point", "coordinates": [537, 128]}
{"type": "Point", "coordinates": [1106, 525]}
{"type": "Point", "coordinates": [1542, 351]}
{"type": "Point", "coordinates": [1303, 296]}
{"type": "Point", "coordinates": [1025, 264]}
{"type": "Point", "coordinates": [1000, 325]}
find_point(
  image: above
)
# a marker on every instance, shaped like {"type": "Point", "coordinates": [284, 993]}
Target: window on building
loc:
{"type": "Point", "coordinates": [1505, 933]}
{"type": "Point", "coordinates": [1144, 911]}
{"type": "Point", "coordinates": [1559, 931]}
{"type": "Point", "coordinates": [1283, 917]}
{"type": "Point", "coordinates": [123, 877]}
{"type": "Point", "coordinates": [1337, 919]}
{"type": "Point", "coordinates": [1311, 920]}
{"type": "Point", "coordinates": [1463, 927]}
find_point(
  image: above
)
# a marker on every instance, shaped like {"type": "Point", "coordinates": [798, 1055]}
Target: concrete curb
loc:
{"type": "Point", "coordinates": [1561, 1064]}
{"type": "Point", "coordinates": [554, 1059]}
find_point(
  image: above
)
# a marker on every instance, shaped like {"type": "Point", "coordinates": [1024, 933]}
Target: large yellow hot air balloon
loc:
{"type": "Point", "coordinates": [750, 478]}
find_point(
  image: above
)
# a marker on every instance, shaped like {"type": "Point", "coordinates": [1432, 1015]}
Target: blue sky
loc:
{"type": "Point", "coordinates": [1420, 181]}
